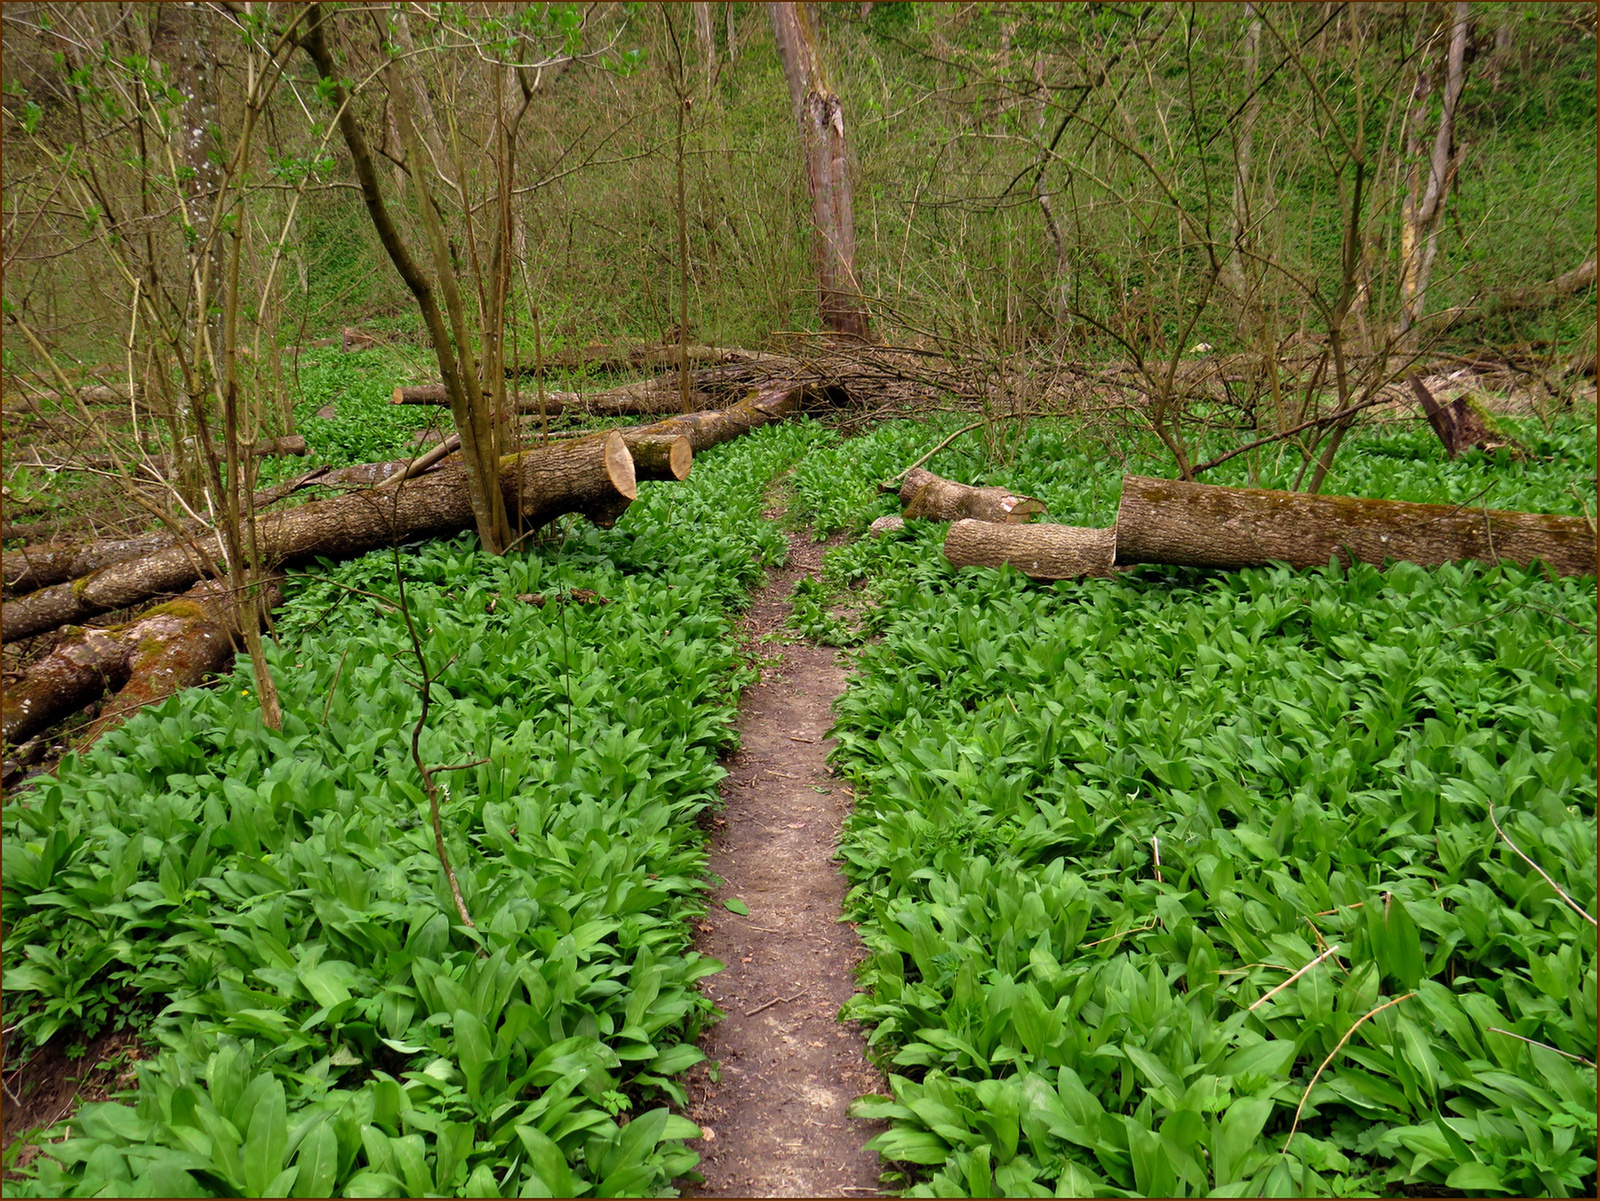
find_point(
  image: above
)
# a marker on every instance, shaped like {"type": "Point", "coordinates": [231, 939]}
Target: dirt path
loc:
{"type": "Point", "coordinates": [777, 1123]}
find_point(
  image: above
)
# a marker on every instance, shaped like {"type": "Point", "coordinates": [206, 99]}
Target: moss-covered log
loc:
{"type": "Point", "coordinates": [1202, 525]}
{"type": "Point", "coordinates": [930, 497]}
{"type": "Point", "coordinates": [592, 475]}
{"type": "Point", "coordinates": [1045, 552]}
{"type": "Point", "coordinates": [143, 661]}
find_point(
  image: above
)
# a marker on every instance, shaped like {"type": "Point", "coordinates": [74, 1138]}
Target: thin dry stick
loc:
{"type": "Point", "coordinates": [1335, 912]}
{"type": "Point", "coordinates": [1124, 934]}
{"type": "Point", "coordinates": [333, 686]}
{"type": "Point", "coordinates": [1576, 908]}
{"type": "Point", "coordinates": [1535, 1043]}
{"type": "Point", "coordinates": [750, 1013]}
{"type": "Point", "coordinates": [1155, 849]}
{"type": "Point", "coordinates": [966, 429]}
{"type": "Point", "coordinates": [1306, 1096]}
{"type": "Point", "coordinates": [1267, 996]}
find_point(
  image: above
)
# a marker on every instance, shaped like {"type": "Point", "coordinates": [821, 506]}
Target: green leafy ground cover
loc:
{"type": "Point", "coordinates": [1314, 757]}
{"type": "Point", "coordinates": [271, 906]}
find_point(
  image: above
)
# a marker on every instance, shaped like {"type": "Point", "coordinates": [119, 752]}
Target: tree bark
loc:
{"type": "Point", "coordinates": [89, 394]}
{"type": "Point", "coordinates": [1457, 424]}
{"type": "Point", "coordinates": [170, 647]}
{"type": "Point", "coordinates": [586, 475]}
{"type": "Point", "coordinates": [1045, 552]}
{"type": "Point", "coordinates": [272, 448]}
{"type": "Point", "coordinates": [928, 496]}
{"type": "Point", "coordinates": [821, 118]}
{"type": "Point", "coordinates": [1201, 525]}
{"type": "Point", "coordinates": [713, 426]}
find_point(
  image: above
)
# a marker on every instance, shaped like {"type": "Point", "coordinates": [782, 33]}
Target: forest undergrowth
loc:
{"type": "Point", "coordinates": [269, 908]}
{"type": "Point", "coordinates": [1190, 883]}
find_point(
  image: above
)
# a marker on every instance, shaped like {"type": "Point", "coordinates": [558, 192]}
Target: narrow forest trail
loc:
{"type": "Point", "coordinates": [777, 1123]}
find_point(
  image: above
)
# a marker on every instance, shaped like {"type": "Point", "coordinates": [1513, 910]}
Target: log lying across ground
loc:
{"type": "Point", "coordinates": [928, 496]}
{"type": "Point", "coordinates": [1045, 552]}
{"type": "Point", "coordinates": [594, 475]}
{"type": "Point", "coordinates": [173, 646]}
{"type": "Point", "coordinates": [1202, 525]}
{"type": "Point", "coordinates": [708, 386]}
{"type": "Point", "coordinates": [28, 568]}
{"type": "Point", "coordinates": [89, 394]}
{"type": "Point", "coordinates": [271, 449]}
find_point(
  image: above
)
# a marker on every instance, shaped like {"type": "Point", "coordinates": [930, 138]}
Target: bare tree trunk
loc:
{"type": "Point", "coordinates": [1423, 208]}
{"type": "Point", "coordinates": [705, 33]}
{"type": "Point", "coordinates": [450, 344]}
{"type": "Point", "coordinates": [821, 118]}
{"type": "Point", "coordinates": [177, 40]}
{"type": "Point", "coordinates": [1244, 151]}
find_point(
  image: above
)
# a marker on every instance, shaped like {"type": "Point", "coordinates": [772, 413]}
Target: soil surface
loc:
{"type": "Point", "coordinates": [777, 1123]}
{"type": "Point", "coordinates": [50, 1083]}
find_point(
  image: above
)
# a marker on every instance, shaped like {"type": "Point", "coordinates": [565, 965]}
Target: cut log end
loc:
{"type": "Point", "coordinates": [660, 456]}
{"type": "Point", "coordinates": [619, 465]}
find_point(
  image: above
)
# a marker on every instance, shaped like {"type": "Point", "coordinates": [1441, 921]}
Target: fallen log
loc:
{"type": "Point", "coordinates": [1202, 525]}
{"type": "Point", "coordinates": [605, 356]}
{"type": "Point", "coordinates": [928, 496]}
{"type": "Point", "coordinates": [89, 394]}
{"type": "Point", "coordinates": [646, 399]}
{"type": "Point", "coordinates": [146, 660]}
{"type": "Point", "coordinates": [592, 475]}
{"type": "Point", "coordinates": [1045, 552]}
{"type": "Point", "coordinates": [28, 568]}
{"type": "Point", "coordinates": [663, 394]}
{"type": "Point", "coordinates": [711, 427]}
{"type": "Point", "coordinates": [270, 449]}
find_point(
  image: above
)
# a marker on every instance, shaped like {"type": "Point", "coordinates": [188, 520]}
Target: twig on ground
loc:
{"type": "Point", "coordinates": [966, 429]}
{"type": "Point", "coordinates": [333, 686]}
{"type": "Point", "coordinates": [1536, 1043]}
{"type": "Point", "coordinates": [1306, 1096]}
{"type": "Point", "coordinates": [1124, 934]}
{"type": "Point", "coordinates": [1576, 908]}
{"type": "Point", "coordinates": [750, 1013]}
{"type": "Point", "coordinates": [1267, 996]}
